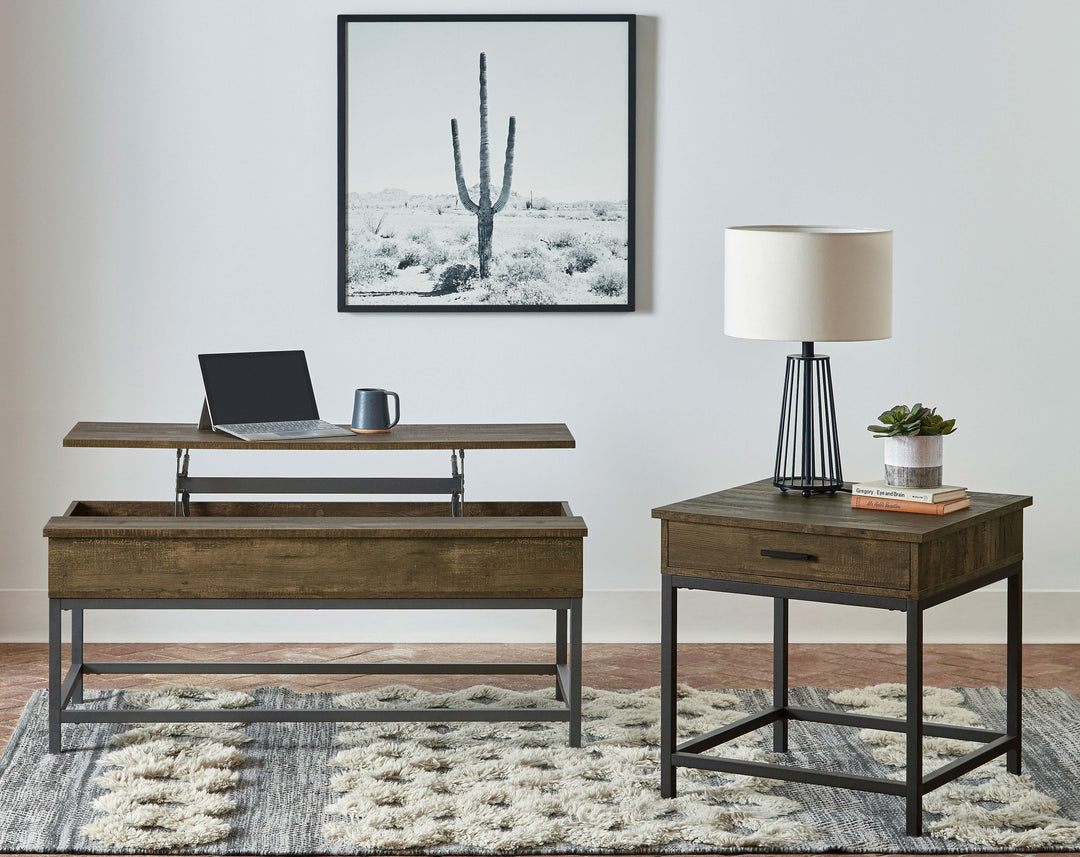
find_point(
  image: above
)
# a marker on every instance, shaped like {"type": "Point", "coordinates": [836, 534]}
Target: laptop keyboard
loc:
{"type": "Point", "coordinates": [289, 426]}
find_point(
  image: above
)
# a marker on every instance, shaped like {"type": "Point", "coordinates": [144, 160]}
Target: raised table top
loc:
{"type": "Point", "coordinates": [760, 505]}
{"type": "Point", "coordinates": [430, 436]}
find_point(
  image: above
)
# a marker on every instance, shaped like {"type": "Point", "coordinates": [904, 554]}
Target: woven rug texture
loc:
{"type": "Point", "coordinates": [514, 788]}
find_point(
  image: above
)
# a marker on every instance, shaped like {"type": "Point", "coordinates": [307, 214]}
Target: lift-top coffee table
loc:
{"type": "Point", "coordinates": [180, 554]}
{"type": "Point", "coordinates": [756, 540]}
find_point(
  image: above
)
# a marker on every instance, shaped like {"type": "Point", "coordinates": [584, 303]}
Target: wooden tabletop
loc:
{"type": "Point", "coordinates": [434, 436]}
{"type": "Point", "coordinates": [760, 505]}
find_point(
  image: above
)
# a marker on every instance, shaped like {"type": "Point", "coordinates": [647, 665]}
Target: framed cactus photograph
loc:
{"type": "Point", "coordinates": [485, 162]}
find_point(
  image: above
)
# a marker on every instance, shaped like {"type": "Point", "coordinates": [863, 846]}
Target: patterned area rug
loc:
{"type": "Point", "coordinates": [512, 788]}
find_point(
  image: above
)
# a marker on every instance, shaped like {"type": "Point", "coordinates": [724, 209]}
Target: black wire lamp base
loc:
{"type": "Point", "coordinates": [808, 449]}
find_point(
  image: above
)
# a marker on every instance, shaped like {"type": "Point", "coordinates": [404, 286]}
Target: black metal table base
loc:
{"type": "Point", "coordinates": [68, 690]}
{"type": "Point", "coordinates": [690, 754]}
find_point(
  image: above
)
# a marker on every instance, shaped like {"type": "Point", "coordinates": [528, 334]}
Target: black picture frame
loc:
{"type": "Point", "coordinates": [457, 286]}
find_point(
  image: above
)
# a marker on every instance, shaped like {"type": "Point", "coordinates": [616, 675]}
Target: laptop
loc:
{"type": "Point", "coordinates": [263, 395]}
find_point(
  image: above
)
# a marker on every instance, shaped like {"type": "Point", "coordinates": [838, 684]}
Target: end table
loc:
{"type": "Point", "coordinates": [756, 540]}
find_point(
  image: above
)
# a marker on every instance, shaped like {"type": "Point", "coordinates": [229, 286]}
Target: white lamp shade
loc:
{"type": "Point", "coordinates": [808, 283]}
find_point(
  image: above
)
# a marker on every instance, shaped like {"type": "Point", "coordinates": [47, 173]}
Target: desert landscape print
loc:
{"type": "Point", "coordinates": [480, 176]}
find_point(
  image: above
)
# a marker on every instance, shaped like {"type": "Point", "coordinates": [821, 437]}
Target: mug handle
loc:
{"type": "Point", "coordinates": [397, 408]}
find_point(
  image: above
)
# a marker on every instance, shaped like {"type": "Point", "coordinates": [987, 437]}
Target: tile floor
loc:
{"type": "Point", "coordinates": [23, 666]}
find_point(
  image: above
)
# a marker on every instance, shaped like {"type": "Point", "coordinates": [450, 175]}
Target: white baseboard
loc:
{"type": "Point", "coordinates": [611, 616]}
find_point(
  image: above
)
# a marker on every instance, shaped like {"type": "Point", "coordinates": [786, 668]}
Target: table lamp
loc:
{"type": "Point", "coordinates": [808, 284]}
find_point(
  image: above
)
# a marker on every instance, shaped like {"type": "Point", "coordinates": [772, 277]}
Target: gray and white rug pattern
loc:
{"type": "Point", "coordinates": [506, 788]}
{"type": "Point", "coordinates": [167, 785]}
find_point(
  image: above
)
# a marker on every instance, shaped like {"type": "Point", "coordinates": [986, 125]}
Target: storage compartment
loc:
{"type": "Point", "coordinates": [135, 549]}
{"type": "Point", "coordinates": [822, 559]}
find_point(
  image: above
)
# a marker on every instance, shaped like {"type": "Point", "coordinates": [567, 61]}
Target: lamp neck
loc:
{"type": "Point", "coordinates": [807, 350]}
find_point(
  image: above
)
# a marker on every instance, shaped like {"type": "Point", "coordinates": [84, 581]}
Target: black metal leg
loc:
{"type": "Point", "coordinates": [575, 672]}
{"type": "Point", "coordinates": [1013, 668]}
{"type": "Point", "coordinates": [560, 647]}
{"type": "Point", "coordinates": [914, 717]}
{"type": "Point", "coordinates": [77, 652]}
{"type": "Point", "coordinates": [780, 672]}
{"type": "Point", "coordinates": [669, 667]}
{"type": "Point", "coordinates": [54, 675]}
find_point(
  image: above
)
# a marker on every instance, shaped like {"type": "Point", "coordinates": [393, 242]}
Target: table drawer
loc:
{"type": "Point", "coordinates": [717, 550]}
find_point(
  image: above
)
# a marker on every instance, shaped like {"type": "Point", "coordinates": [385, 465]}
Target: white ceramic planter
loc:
{"type": "Point", "coordinates": [913, 462]}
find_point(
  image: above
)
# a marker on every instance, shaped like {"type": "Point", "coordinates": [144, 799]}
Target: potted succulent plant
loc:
{"type": "Point", "coordinates": [913, 447]}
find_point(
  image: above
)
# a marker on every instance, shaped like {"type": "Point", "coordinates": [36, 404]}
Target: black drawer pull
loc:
{"type": "Point", "coordinates": [805, 557]}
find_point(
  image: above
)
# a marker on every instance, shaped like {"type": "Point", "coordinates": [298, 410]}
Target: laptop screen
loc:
{"type": "Point", "coordinates": [258, 387]}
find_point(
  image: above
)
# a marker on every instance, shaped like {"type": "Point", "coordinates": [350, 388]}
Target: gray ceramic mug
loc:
{"type": "Point", "coordinates": [371, 411]}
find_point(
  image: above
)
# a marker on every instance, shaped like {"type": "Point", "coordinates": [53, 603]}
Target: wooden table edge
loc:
{"type": "Point", "coordinates": [90, 527]}
{"type": "Point", "coordinates": [949, 523]}
{"type": "Point", "coordinates": [95, 435]}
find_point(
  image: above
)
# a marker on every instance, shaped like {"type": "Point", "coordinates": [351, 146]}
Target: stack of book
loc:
{"type": "Point", "coordinates": [924, 501]}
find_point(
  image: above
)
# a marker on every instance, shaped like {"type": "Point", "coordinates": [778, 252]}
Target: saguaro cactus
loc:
{"type": "Point", "coordinates": [485, 210]}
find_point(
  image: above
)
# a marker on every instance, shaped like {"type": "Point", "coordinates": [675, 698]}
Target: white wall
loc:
{"type": "Point", "coordinates": [167, 186]}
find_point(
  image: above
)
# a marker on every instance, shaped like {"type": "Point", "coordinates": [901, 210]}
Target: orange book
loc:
{"type": "Point", "coordinates": [881, 505]}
